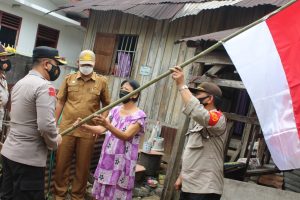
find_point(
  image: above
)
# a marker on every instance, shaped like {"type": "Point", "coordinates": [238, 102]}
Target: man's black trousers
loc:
{"type": "Point", "coordinates": [21, 182]}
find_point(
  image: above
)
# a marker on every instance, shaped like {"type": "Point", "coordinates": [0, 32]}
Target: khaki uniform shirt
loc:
{"type": "Point", "coordinates": [82, 98]}
{"type": "Point", "coordinates": [32, 127]}
{"type": "Point", "coordinates": [202, 160]}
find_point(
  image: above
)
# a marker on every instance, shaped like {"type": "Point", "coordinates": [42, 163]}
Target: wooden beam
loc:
{"type": "Point", "coordinates": [262, 171]}
{"type": "Point", "coordinates": [246, 133]}
{"type": "Point", "coordinates": [228, 136]}
{"type": "Point", "coordinates": [175, 161]}
{"type": "Point", "coordinates": [240, 118]}
{"type": "Point", "coordinates": [216, 58]}
{"type": "Point", "coordinates": [210, 73]}
{"type": "Point", "coordinates": [236, 153]}
{"type": "Point", "coordinates": [213, 70]}
{"type": "Point", "coordinates": [222, 82]}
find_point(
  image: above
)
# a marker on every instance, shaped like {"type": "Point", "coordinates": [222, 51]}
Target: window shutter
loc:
{"type": "Point", "coordinates": [11, 21]}
{"type": "Point", "coordinates": [48, 33]}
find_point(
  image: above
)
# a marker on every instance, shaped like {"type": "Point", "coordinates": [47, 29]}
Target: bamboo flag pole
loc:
{"type": "Point", "coordinates": [184, 64]}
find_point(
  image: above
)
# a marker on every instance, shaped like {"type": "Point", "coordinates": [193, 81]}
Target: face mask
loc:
{"type": "Point", "coordinates": [86, 70]}
{"type": "Point", "coordinates": [5, 65]}
{"type": "Point", "coordinates": [202, 99]}
{"type": "Point", "coordinates": [54, 72]}
{"type": "Point", "coordinates": [123, 93]}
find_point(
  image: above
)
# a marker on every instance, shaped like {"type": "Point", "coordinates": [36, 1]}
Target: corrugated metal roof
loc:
{"type": "Point", "coordinates": [195, 8]}
{"type": "Point", "coordinates": [166, 9]}
{"type": "Point", "coordinates": [157, 11]}
{"type": "Point", "coordinates": [216, 36]}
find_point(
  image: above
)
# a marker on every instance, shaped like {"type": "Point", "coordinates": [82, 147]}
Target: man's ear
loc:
{"type": "Point", "coordinates": [211, 99]}
{"type": "Point", "coordinates": [47, 65]}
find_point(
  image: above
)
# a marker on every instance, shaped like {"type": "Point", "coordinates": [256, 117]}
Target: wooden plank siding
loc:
{"type": "Point", "coordinates": [157, 50]}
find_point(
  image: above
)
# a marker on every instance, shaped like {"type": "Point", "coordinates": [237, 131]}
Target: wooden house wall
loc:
{"type": "Point", "coordinates": [157, 50]}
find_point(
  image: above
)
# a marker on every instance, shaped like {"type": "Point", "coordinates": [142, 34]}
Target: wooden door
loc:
{"type": "Point", "coordinates": [104, 49]}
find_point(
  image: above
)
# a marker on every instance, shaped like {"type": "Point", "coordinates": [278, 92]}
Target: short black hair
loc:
{"type": "Point", "coordinates": [135, 85]}
{"type": "Point", "coordinates": [36, 61]}
{"type": "Point", "coordinates": [217, 102]}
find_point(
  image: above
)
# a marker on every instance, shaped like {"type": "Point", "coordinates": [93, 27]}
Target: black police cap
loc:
{"type": "Point", "coordinates": [48, 52]}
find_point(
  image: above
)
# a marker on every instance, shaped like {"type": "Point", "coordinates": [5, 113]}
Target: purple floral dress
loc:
{"type": "Point", "coordinates": [115, 173]}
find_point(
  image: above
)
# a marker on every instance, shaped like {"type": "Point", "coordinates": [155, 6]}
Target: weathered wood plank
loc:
{"type": "Point", "coordinates": [165, 84]}
{"type": "Point", "coordinates": [141, 41]}
{"type": "Point", "coordinates": [174, 59]}
{"type": "Point", "coordinates": [228, 136]}
{"type": "Point", "coordinates": [89, 38]}
{"type": "Point", "coordinates": [152, 58]}
{"type": "Point", "coordinates": [195, 80]}
{"type": "Point", "coordinates": [175, 160]}
{"type": "Point", "coordinates": [116, 88]}
{"type": "Point", "coordinates": [154, 94]}
{"type": "Point", "coordinates": [144, 57]}
{"type": "Point", "coordinates": [113, 17]}
{"type": "Point", "coordinates": [246, 133]}
{"type": "Point", "coordinates": [240, 118]}
{"type": "Point", "coordinates": [122, 27]}
{"type": "Point", "coordinates": [215, 58]}
{"type": "Point", "coordinates": [236, 153]}
{"type": "Point", "coordinates": [155, 97]}
{"type": "Point", "coordinates": [222, 82]}
{"type": "Point", "coordinates": [213, 70]}
{"type": "Point", "coordinates": [129, 24]}
{"type": "Point", "coordinates": [185, 53]}
{"type": "Point", "coordinates": [144, 50]}
{"type": "Point", "coordinates": [135, 25]}
{"type": "Point", "coordinates": [258, 172]}
{"type": "Point", "coordinates": [106, 23]}
{"type": "Point", "coordinates": [117, 23]}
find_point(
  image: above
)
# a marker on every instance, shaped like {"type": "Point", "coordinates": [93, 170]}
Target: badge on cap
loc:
{"type": "Point", "coordinates": [86, 57]}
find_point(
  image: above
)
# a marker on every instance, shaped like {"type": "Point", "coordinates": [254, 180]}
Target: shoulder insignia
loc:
{"type": "Point", "coordinates": [214, 117]}
{"type": "Point", "coordinates": [52, 92]}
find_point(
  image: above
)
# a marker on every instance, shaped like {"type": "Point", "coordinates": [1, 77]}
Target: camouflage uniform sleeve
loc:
{"type": "Point", "coordinates": [213, 120]}
{"type": "Point", "coordinates": [45, 106]}
{"type": "Point", "coordinates": [104, 95]}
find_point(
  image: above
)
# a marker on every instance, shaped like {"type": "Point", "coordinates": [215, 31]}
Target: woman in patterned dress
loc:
{"type": "Point", "coordinates": [125, 124]}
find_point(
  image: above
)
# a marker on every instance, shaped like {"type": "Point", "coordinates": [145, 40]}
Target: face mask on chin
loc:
{"type": "Point", "coordinates": [86, 70]}
{"type": "Point", "coordinates": [54, 72]}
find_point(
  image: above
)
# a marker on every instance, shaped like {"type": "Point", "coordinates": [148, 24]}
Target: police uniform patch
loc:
{"type": "Point", "coordinates": [214, 117]}
{"type": "Point", "coordinates": [52, 92]}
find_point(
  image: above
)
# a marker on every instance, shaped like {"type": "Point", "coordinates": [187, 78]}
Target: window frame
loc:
{"type": "Point", "coordinates": [51, 40]}
{"type": "Point", "coordinates": [116, 51]}
{"type": "Point", "coordinates": [12, 27]}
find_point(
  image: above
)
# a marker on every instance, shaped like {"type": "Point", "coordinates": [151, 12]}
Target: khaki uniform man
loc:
{"type": "Point", "coordinates": [5, 65]}
{"type": "Point", "coordinates": [33, 129]}
{"type": "Point", "coordinates": [201, 176]}
{"type": "Point", "coordinates": [80, 95]}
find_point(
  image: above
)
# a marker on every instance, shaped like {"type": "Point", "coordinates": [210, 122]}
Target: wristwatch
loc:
{"type": "Point", "coordinates": [183, 88]}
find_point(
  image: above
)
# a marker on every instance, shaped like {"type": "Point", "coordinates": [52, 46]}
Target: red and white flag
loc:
{"type": "Point", "coordinates": [267, 57]}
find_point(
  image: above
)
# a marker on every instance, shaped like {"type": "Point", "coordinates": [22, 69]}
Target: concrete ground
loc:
{"type": "Point", "coordinates": [148, 198]}
{"type": "Point", "coordinates": [237, 190]}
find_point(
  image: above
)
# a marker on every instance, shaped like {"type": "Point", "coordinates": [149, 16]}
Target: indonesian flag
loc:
{"type": "Point", "coordinates": [267, 57]}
